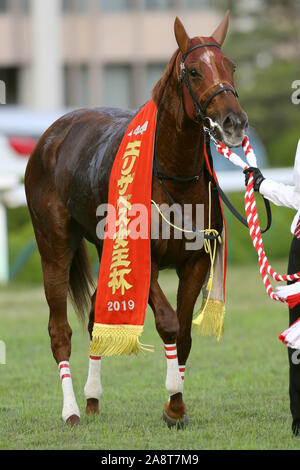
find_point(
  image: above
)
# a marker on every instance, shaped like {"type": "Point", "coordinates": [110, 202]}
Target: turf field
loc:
{"type": "Point", "coordinates": [236, 390]}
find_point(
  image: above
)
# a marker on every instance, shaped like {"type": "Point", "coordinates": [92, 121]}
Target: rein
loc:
{"type": "Point", "coordinates": [161, 175]}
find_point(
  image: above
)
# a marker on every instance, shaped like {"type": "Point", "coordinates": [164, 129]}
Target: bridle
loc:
{"type": "Point", "coordinates": [184, 78]}
{"type": "Point", "coordinates": [201, 112]}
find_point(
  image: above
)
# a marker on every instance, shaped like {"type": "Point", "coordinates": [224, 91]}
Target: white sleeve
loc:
{"type": "Point", "coordinates": [280, 194]}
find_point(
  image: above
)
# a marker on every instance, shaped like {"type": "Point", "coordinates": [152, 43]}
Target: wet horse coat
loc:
{"type": "Point", "coordinates": [67, 178]}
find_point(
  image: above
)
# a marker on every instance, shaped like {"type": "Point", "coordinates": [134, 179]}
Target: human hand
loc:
{"type": "Point", "coordinates": [257, 176]}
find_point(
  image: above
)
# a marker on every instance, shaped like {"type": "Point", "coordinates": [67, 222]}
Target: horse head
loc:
{"type": "Point", "coordinates": [206, 85]}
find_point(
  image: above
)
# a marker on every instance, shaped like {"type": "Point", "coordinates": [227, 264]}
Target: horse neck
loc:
{"type": "Point", "coordinates": [179, 140]}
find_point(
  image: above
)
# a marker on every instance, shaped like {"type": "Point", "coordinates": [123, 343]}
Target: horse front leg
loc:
{"type": "Point", "coordinates": [168, 327]}
{"type": "Point", "coordinates": [191, 279]}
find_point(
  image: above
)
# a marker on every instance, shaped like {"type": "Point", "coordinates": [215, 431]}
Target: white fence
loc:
{"type": "Point", "coordinates": [233, 181]}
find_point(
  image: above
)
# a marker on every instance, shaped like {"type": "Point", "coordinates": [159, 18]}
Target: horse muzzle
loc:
{"type": "Point", "coordinates": [233, 128]}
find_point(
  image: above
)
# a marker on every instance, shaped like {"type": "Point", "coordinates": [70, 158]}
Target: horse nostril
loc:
{"type": "Point", "coordinates": [235, 122]}
{"type": "Point", "coordinates": [228, 124]}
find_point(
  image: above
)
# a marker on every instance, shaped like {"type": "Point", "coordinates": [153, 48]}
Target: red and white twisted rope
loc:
{"type": "Point", "coordinates": [265, 268]}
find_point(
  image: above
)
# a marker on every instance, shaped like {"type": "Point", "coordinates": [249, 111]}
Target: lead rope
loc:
{"type": "Point", "coordinates": [291, 297]}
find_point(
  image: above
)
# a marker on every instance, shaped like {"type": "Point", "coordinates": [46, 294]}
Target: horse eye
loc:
{"type": "Point", "coordinates": [194, 73]}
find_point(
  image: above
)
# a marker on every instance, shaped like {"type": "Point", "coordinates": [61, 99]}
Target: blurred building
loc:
{"type": "Point", "coordinates": [58, 53]}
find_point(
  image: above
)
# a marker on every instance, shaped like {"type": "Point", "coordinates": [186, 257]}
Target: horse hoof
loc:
{"type": "Point", "coordinates": [92, 406]}
{"type": "Point", "coordinates": [73, 421]}
{"type": "Point", "coordinates": [180, 423]}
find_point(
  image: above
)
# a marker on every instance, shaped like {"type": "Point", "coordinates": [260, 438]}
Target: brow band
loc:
{"type": "Point", "coordinates": [206, 44]}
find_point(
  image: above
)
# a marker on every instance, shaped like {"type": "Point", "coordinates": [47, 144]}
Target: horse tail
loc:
{"type": "Point", "coordinates": [81, 282]}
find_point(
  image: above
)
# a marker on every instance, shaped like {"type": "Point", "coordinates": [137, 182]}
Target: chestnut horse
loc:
{"type": "Point", "coordinates": [67, 178]}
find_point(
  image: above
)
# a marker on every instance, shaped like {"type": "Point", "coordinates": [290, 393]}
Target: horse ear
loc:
{"type": "Point", "coordinates": [220, 33]}
{"type": "Point", "coordinates": [181, 36]}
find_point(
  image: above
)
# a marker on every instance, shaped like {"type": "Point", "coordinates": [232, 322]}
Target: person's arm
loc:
{"type": "Point", "coordinates": [278, 193]}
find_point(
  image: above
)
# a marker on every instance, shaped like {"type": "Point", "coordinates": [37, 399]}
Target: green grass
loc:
{"type": "Point", "coordinates": [236, 390]}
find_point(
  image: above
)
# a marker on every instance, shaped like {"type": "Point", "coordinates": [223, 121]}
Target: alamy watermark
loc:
{"type": "Point", "coordinates": [2, 92]}
{"type": "Point", "coordinates": [2, 353]}
{"type": "Point", "coordinates": [295, 97]}
{"type": "Point", "coordinates": [132, 221]}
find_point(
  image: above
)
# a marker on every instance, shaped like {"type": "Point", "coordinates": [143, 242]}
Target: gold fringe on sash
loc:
{"type": "Point", "coordinates": [210, 321]}
{"type": "Point", "coordinates": [115, 340]}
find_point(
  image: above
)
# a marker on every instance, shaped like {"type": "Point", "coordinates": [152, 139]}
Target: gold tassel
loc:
{"type": "Point", "coordinates": [210, 321]}
{"type": "Point", "coordinates": [115, 340]}
{"type": "Point", "coordinates": [209, 285]}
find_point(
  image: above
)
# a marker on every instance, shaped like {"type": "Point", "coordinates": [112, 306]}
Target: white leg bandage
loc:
{"type": "Point", "coordinates": [182, 372]}
{"type": "Point", "coordinates": [93, 388]}
{"type": "Point", "coordinates": [174, 382]}
{"type": "Point", "coordinates": [70, 406]}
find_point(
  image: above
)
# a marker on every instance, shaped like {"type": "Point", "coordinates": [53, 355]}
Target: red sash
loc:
{"type": "Point", "coordinates": [124, 275]}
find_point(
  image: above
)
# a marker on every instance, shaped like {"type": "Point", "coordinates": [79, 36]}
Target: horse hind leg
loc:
{"type": "Point", "coordinates": [93, 387]}
{"type": "Point", "coordinates": [58, 249]}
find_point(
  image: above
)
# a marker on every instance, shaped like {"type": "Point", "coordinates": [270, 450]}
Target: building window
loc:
{"type": "Point", "coordinates": [77, 85]}
{"type": "Point", "coordinates": [118, 86]}
{"type": "Point", "coordinates": [195, 4]}
{"type": "Point", "coordinates": [15, 7]}
{"type": "Point", "coordinates": [23, 6]}
{"type": "Point", "coordinates": [68, 85]}
{"type": "Point", "coordinates": [3, 6]}
{"type": "Point", "coordinates": [111, 5]}
{"type": "Point", "coordinates": [158, 4]}
{"type": "Point", "coordinates": [67, 5]}
{"type": "Point", "coordinates": [153, 73]}
{"type": "Point", "coordinates": [83, 85]}
{"type": "Point", "coordinates": [10, 77]}
{"type": "Point", "coordinates": [75, 6]}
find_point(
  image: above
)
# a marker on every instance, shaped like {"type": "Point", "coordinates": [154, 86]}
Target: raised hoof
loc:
{"type": "Point", "coordinates": [92, 406]}
{"type": "Point", "coordinates": [180, 423]}
{"type": "Point", "coordinates": [73, 421]}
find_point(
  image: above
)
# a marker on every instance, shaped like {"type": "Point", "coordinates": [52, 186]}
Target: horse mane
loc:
{"type": "Point", "coordinates": [159, 88]}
